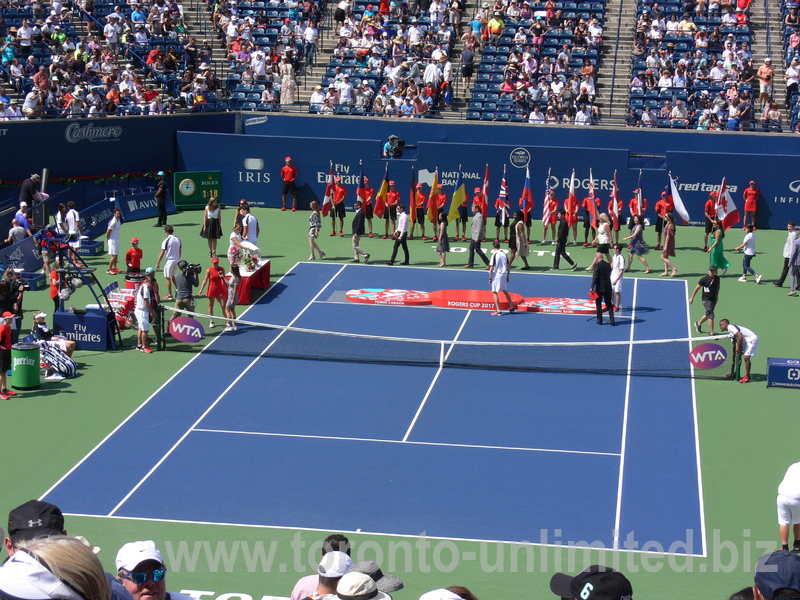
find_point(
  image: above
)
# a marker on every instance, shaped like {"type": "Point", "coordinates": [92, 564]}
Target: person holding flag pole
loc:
{"type": "Point", "coordinates": [571, 205]}
{"type": "Point", "coordinates": [339, 194]}
{"type": "Point", "coordinates": [549, 217]}
{"type": "Point", "coordinates": [615, 208]}
{"type": "Point", "coordinates": [390, 212]}
{"type": "Point", "coordinates": [590, 205]}
{"type": "Point", "coordinates": [366, 194]}
{"type": "Point", "coordinates": [526, 202]}
{"type": "Point", "coordinates": [416, 201]}
{"type": "Point", "coordinates": [502, 206]}
{"type": "Point", "coordinates": [432, 205]}
{"type": "Point", "coordinates": [485, 201]}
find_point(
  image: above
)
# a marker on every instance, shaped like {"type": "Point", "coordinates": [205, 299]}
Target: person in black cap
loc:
{"type": "Point", "coordinates": [32, 520]}
{"type": "Point", "coordinates": [777, 576]}
{"type": "Point", "coordinates": [593, 583]}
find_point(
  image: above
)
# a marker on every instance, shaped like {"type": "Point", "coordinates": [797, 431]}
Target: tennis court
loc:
{"type": "Point", "coordinates": [456, 453]}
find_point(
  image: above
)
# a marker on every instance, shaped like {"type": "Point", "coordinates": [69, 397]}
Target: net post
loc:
{"type": "Point", "coordinates": [441, 355]}
{"type": "Point", "coordinates": [161, 339]}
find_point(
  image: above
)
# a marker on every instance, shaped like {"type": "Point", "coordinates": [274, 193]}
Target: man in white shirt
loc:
{"type": "Point", "coordinates": [171, 249]}
{"type": "Point", "coordinates": [111, 34]}
{"type": "Point", "coordinates": [498, 277]}
{"type": "Point", "coordinates": [250, 227]}
{"type": "Point", "coordinates": [745, 343]}
{"type": "Point", "coordinates": [317, 97]}
{"type": "Point", "coordinates": [345, 90]}
{"type": "Point", "coordinates": [310, 35]}
{"type": "Point", "coordinates": [400, 235]}
{"type": "Point", "coordinates": [112, 238]}
{"type": "Point", "coordinates": [144, 311]}
{"type": "Point", "coordinates": [74, 229]}
{"type": "Point", "coordinates": [537, 116]}
{"type": "Point", "coordinates": [789, 507]}
{"type": "Point", "coordinates": [787, 252]}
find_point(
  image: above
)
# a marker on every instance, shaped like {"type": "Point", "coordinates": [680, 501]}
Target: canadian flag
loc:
{"type": "Point", "coordinates": [680, 208]}
{"type": "Point", "coordinates": [726, 209]}
{"type": "Point", "coordinates": [326, 201]}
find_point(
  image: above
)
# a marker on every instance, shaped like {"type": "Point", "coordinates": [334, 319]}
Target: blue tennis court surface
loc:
{"type": "Point", "coordinates": [456, 453]}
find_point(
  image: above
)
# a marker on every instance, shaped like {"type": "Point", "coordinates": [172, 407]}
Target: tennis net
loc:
{"type": "Point", "coordinates": [702, 357]}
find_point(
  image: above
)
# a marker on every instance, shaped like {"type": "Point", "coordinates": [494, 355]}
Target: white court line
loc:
{"type": "Point", "coordinates": [360, 531]}
{"type": "Point", "coordinates": [701, 504]}
{"type": "Point", "coordinates": [143, 404]}
{"type": "Point", "coordinates": [220, 397]}
{"type": "Point", "coordinates": [381, 441]}
{"type": "Point", "coordinates": [435, 379]}
{"type": "Point", "coordinates": [618, 514]}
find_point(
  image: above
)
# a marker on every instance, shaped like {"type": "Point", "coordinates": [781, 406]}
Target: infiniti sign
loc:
{"type": "Point", "coordinates": [74, 133]}
{"type": "Point", "coordinates": [795, 186]}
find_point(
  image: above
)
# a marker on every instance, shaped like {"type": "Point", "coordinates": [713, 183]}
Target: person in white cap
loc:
{"type": "Point", "coordinates": [141, 570]}
{"type": "Point", "coordinates": [359, 586]}
{"type": "Point", "coordinates": [22, 217]}
{"type": "Point", "coordinates": [331, 569]}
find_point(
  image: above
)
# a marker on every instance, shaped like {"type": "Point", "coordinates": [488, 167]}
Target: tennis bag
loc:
{"type": "Point", "coordinates": [59, 361]}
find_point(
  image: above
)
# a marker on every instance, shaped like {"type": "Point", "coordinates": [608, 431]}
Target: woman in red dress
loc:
{"type": "Point", "coordinates": [217, 288]}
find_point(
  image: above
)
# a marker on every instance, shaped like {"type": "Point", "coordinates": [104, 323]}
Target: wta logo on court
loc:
{"type": "Point", "coordinates": [708, 356]}
{"type": "Point", "coordinates": [186, 329]}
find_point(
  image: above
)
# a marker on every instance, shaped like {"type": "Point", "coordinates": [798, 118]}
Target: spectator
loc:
{"type": "Point", "coordinates": [359, 586]}
{"type": "Point", "coordinates": [777, 575]}
{"type": "Point", "coordinates": [594, 582]}
{"type": "Point", "coordinates": [59, 567]}
{"type": "Point", "coordinates": [141, 570]}
{"type": "Point", "coordinates": [307, 585]}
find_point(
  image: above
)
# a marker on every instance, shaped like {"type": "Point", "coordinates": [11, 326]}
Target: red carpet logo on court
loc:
{"type": "Point", "coordinates": [470, 300]}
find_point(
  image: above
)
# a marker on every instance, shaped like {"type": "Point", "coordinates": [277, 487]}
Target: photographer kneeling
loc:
{"type": "Point", "coordinates": [185, 280]}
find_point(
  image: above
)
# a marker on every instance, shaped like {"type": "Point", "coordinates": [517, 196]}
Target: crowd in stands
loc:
{"type": "Point", "coordinates": [693, 68]}
{"type": "Point", "coordinates": [539, 62]}
{"type": "Point", "coordinates": [388, 62]}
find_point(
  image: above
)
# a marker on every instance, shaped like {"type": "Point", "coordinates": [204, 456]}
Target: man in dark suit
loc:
{"type": "Point", "coordinates": [602, 287]}
{"type": "Point", "coordinates": [561, 243]}
{"type": "Point", "coordinates": [358, 231]}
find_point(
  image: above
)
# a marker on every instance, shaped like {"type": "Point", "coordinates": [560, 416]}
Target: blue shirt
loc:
{"type": "Point", "coordinates": [22, 220]}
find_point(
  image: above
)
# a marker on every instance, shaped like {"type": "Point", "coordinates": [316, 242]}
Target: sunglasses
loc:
{"type": "Point", "coordinates": [139, 577]}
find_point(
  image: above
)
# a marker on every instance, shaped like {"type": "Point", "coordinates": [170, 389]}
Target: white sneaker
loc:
{"type": "Point", "coordinates": [758, 278]}
{"type": "Point", "coordinates": [228, 328]}
{"type": "Point", "coordinates": [743, 279]}
{"type": "Point", "coordinates": [211, 323]}
{"type": "Point", "coordinates": [54, 377]}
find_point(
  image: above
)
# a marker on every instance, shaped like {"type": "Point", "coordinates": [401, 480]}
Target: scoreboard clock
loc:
{"type": "Point", "coordinates": [194, 189]}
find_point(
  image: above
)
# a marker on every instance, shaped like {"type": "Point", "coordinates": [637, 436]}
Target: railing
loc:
{"type": "Point", "coordinates": [616, 55]}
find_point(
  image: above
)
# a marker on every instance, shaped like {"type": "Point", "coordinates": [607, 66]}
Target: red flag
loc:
{"type": "Point", "coordinates": [380, 199]}
{"type": "Point", "coordinates": [485, 194]}
{"type": "Point", "coordinates": [412, 198]}
{"type": "Point", "coordinates": [594, 203]}
{"type": "Point", "coordinates": [326, 201]}
{"type": "Point", "coordinates": [726, 209]}
{"type": "Point", "coordinates": [615, 201]}
{"type": "Point", "coordinates": [526, 202]}
{"type": "Point", "coordinates": [361, 190]}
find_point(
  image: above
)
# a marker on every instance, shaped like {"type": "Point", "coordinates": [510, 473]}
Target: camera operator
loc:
{"type": "Point", "coordinates": [185, 281]}
{"type": "Point", "coordinates": [393, 148]}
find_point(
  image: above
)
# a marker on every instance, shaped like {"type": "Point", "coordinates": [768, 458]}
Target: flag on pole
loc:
{"type": "Point", "coordinates": [459, 197]}
{"type": "Point", "coordinates": [593, 203]}
{"type": "Point", "coordinates": [546, 205]}
{"type": "Point", "coordinates": [328, 198]}
{"type": "Point", "coordinates": [504, 199]}
{"type": "Point", "coordinates": [380, 199]}
{"type": "Point", "coordinates": [639, 195]}
{"type": "Point", "coordinates": [361, 190]}
{"type": "Point", "coordinates": [485, 194]}
{"type": "Point", "coordinates": [571, 203]}
{"type": "Point", "coordinates": [412, 198]}
{"type": "Point", "coordinates": [615, 203]}
{"type": "Point", "coordinates": [680, 208]}
{"type": "Point", "coordinates": [726, 209]}
{"type": "Point", "coordinates": [433, 198]}
{"type": "Point", "coordinates": [526, 201]}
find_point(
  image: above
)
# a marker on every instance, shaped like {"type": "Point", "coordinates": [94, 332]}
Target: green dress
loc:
{"type": "Point", "coordinates": [717, 256]}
